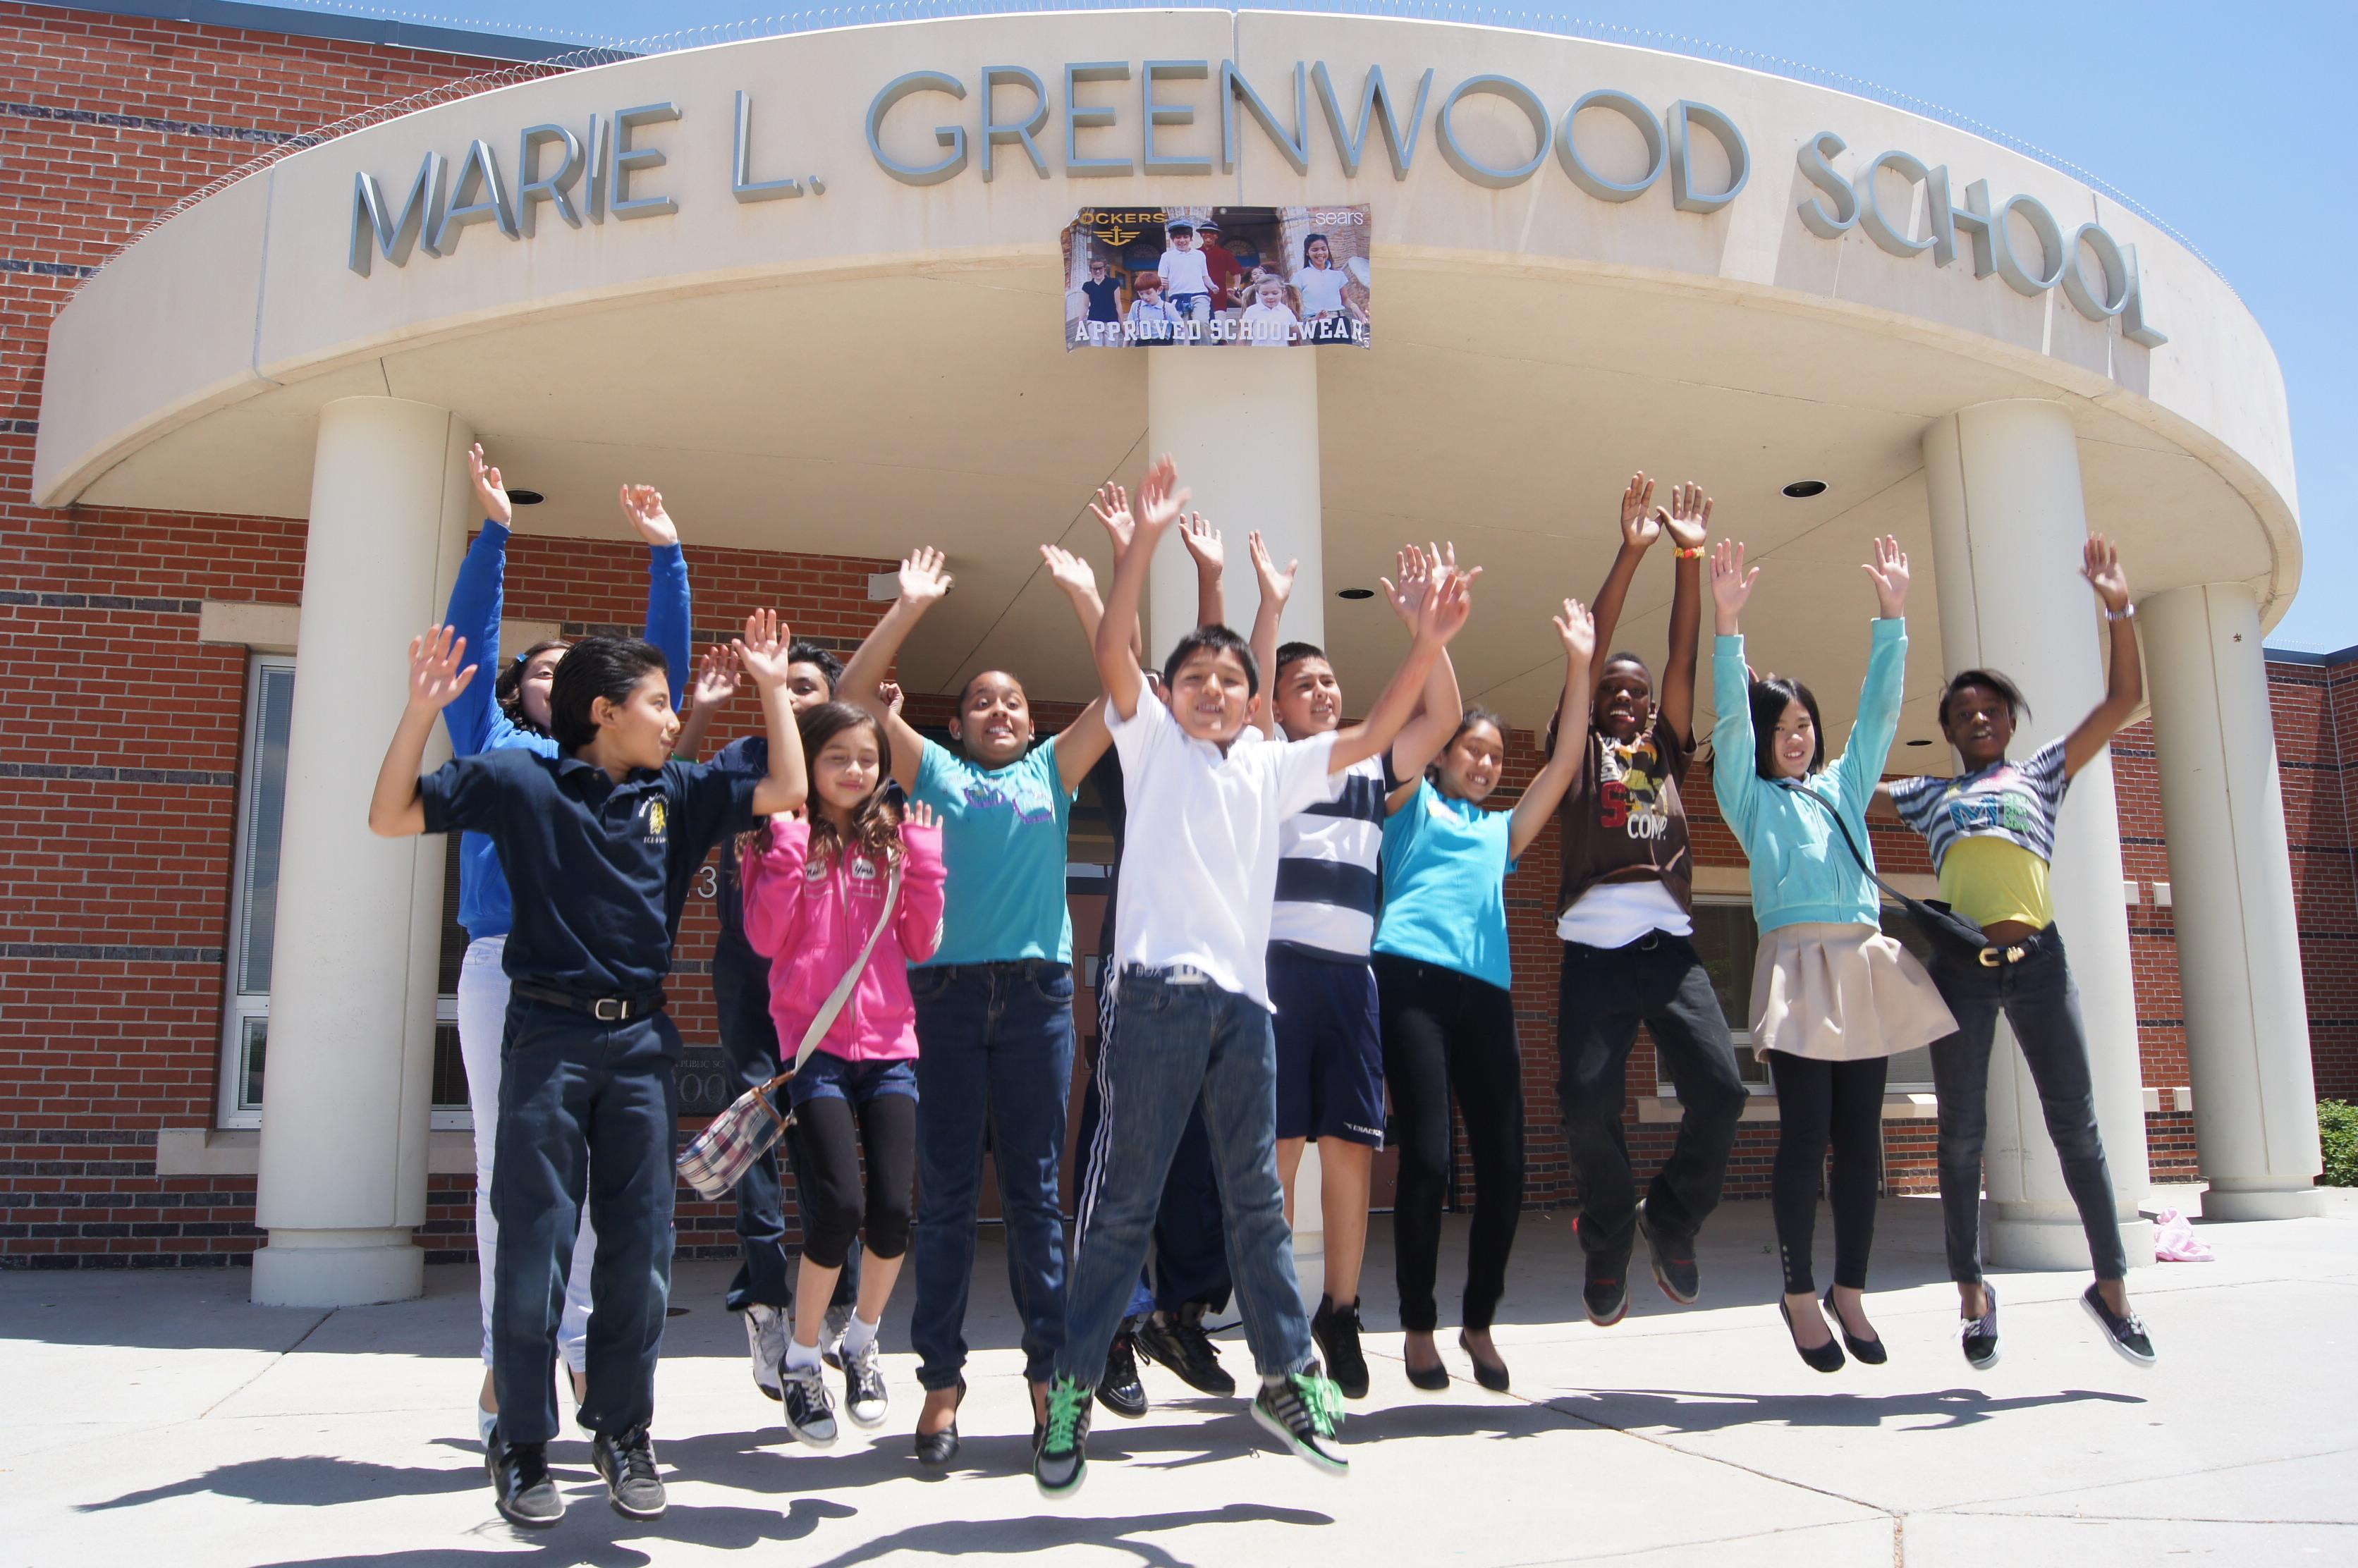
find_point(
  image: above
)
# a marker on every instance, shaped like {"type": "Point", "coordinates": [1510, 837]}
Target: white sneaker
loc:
{"type": "Point", "coordinates": [765, 1343]}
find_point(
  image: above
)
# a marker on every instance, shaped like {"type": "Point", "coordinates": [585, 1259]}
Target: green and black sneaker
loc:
{"type": "Point", "coordinates": [1304, 1411]}
{"type": "Point", "coordinates": [1060, 1463]}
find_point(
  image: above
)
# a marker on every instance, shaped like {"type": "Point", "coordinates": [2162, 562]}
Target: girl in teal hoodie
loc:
{"type": "Point", "coordinates": [1832, 998]}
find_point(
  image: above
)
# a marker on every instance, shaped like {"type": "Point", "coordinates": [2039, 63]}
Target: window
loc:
{"type": "Point", "coordinates": [253, 915]}
{"type": "Point", "coordinates": [1728, 942]}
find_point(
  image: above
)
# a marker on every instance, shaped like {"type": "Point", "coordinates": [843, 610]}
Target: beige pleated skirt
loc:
{"type": "Point", "coordinates": [1843, 993]}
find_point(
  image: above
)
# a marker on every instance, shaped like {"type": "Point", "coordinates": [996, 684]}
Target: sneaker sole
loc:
{"type": "Point", "coordinates": [803, 1436]}
{"type": "Point", "coordinates": [1112, 1409]}
{"type": "Point", "coordinates": [1069, 1488]}
{"type": "Point", "coordinates": [1317, 1461]}
{"type": "Point", "coordinates": [1619, 1313]}
{"type": "Point", "coordinates": [2122, 1351]}
{"type": "Point", "coordinates": [866, 1425]}
{"type": "Point", "coordinates": [1983, 1365]}
{"type": "Point", "coordinates": [641, 1514]}
{"type": "Point", "coordinates": [526, 1521]}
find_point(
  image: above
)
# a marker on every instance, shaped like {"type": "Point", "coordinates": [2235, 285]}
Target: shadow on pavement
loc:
{"type": "Point", "coordinates": [310, 1480]}
{"type": "Point", "coordinates": [1045, 1533]}
{"type": "Point", "coordinates": [730, 1528]}
{"type": "Point", "coordinates": [1693, 1411]}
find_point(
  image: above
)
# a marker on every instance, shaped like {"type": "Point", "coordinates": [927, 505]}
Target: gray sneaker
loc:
{"type": "Point", "coordinates": [627, 1460]}
{"type": "Point", "coordinates": [765, 1343]}
{"type": "Point", "coordinates": [810, 1410]}
{"type": "Point", "coordinates": [865, 1398]}
{"type": "Point", "coordinates": [521, 1484]}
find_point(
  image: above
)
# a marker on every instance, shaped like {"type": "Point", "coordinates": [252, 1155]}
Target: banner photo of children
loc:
{"type": "Point", "coordinates": [1260, 278]}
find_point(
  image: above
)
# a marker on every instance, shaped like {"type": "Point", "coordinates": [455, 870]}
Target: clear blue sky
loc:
{"type": "Point", "coordinates": [2218, 118]}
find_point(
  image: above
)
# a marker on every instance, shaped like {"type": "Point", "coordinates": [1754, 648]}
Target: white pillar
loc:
{"type": "Point", "coordinates": [2008, 520]}
{"type": "Point", "coordinates": [1244, 428]}
{"type": "Point", "coordinates": [351, 1005]}
{"type": "Point", "coordinates": [2230, 875]}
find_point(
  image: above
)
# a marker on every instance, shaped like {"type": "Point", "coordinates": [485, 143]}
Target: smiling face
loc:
{"type": "Point", "coordinates": [1097, 271]}
{"type": "Point", "coordinates": [532, 690]}
{"type": "Point", "coordinates": [1316, 253]}
{"type": "Point", "coordinates": [1472, 763]}
{"type": "Point", "coordinates": [1979, 722]}
{"type": "Point", "coordinates": [640, 730]}
{"type": "Point", "coordinates": [1796, 742]}
{"type": "Point", "coordinates": [1211, 695]}
{"type": "Point", "coordinates": [1183, 240]}
{"type": "Point", "coordinates": [1625, 700]}
{"type": "Point", "coordinates": [1309, 697]}
{"type": "Point", "coordinates": [846, 770]}
{"type": "Point", "coordinates": [1271, 293]}
{"type": "Point", "coordinates": [993, 725]}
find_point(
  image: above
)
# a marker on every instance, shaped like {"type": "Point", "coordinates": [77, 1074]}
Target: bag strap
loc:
{"type": "Point", "coordinates": [824, 1019]}
{"type": "Point", "coordinates": [1904, 900]}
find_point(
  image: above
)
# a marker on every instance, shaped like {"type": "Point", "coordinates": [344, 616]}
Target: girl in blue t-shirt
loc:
{"type": "Point", "coordinates": [512, 712]}
{"type": "Point", "coordinates": [1442, 982]}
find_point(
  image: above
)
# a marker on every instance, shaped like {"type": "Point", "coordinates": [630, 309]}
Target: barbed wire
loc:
{"type": "Point", "coordinates": [821, 18]}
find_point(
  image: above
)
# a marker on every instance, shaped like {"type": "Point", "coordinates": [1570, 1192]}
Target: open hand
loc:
{"type": "Point", "coordinates": [764, 650]}
{"type": "Point", "coordinates": [1070, 572]}
{"type": "Point", "coordinates": [1689, 518]}
{"type": "Point", "coordinates": [1204, 542]}
{"type": "Point", "coordinates": [1444, 613]}
{"type": "Point", "coordinates": [925, 577]}
{"type": "Point", "coordinates": [1276, 587]}
{"type": "Point", "coordinates": [1408, 595]}
{"type": "Point", "coordinates": [1888, 571]}
{"type": "Point", "coordinates": [438, 670]}
{"type": "Point", "coordinates": [1640, 523]}
{"type": "Point", "coordinates": [1161, 498]}
{"type": "Point", "coordinates": [1731, 584]}
{"type": "Point", "coordinates": [1112, 509]}
{"type": "Point", "coordinates": [716, 678]}
{"type": "Point", "coordinates": [489, 489]}
{"type": "Point", "coordinates": [1578, 630]}
{"type": "Point", "coordinates": [644, 506]}
{"type": "Point", "coordinates": [2101, 564]}
{"type": "Point", "coordinates": [917, 813]}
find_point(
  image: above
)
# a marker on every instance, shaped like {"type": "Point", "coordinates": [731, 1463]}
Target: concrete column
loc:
{"type": "Point", "coordinates": [1244, 428]}
{"type": "Point", "coordinates": [2231, 874]}
{"type": "Point", "coordinates": [352, 1006]}
{"type": "Point", "coordinates": [2008, 520]}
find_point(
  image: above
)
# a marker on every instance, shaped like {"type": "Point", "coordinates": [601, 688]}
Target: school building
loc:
{"type": "Point", "coordinates": [268, 274]}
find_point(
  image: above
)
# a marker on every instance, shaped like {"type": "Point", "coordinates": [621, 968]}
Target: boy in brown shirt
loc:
{"type": "Point", "coordinates": [1625, 915]}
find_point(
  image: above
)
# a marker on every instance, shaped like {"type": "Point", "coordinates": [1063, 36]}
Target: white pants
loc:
{"type": "Point", "coordinates": [482, 1024]}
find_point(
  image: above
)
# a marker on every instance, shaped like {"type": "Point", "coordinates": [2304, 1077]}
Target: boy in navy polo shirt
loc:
{"type": "Point", "coordinates": [600, 843]}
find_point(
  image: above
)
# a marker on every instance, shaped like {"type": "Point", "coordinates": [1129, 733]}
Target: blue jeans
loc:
{"type": "Point", "coordinates": [995, 1052]}
{"type": "Point", "coordinates": [587, 1110]}
{"type": "Point", "coordinates": [1179, 1041]}
{"type": "Point", "coordinates": [2041, 1002]}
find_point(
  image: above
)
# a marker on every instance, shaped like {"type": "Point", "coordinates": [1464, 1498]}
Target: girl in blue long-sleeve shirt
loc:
{"type": "Point", "coordinates": [512, 711]}
{"type": "Point", "coordinates": [1832, 998]}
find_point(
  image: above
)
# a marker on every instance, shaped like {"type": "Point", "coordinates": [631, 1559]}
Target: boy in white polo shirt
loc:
{"type": "Point", "coordinates": [1198, 879]}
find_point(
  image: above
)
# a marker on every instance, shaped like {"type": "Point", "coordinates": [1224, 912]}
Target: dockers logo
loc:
{"type": "Point", "coordinates": [1119, 226]}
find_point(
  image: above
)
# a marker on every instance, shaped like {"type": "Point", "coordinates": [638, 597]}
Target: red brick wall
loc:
{"type": "Point", "coordinates": [2316, 708]}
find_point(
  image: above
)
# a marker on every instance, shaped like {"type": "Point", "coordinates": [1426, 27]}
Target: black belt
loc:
{"type": "Point", "coordinates": [604, 1009]}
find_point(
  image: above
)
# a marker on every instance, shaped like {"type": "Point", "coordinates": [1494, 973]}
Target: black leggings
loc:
{"type": "Point", "coordinates": [827, 1147]}
{"type": "Point", "coordinates": [1443, 1029]}
{"type": "Point", "coordinates": [1818, 1102]}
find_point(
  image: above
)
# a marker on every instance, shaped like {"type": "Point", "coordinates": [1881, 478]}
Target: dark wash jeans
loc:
{"type": "Point", "coordinates": [994, 1052]}
{"type": "Point", "coordinates": [1180, 1041]}
{"type": "Point", "coordinates": [2041, 1002]}
{"type": "Point", "coordinates": [1601, 996]}
{"type": "Point", "coordinates": [587, 1110]}
{"type": "Point", "coordinates": [749, 1042]}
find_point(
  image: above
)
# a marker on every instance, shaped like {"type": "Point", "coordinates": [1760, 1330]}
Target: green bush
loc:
{"type": "Point", "coordinates": [2336, 1132]}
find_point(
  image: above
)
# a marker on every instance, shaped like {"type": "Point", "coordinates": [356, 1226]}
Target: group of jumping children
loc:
{"type": "Point", "coordinates": [1312, 923]}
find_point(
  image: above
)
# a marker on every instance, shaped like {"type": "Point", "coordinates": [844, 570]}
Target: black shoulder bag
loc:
{"type": "Point", "coordinates": [1950, 933]}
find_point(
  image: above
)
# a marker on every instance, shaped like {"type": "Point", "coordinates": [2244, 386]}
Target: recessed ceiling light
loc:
{"type": "Point", "coordinates": [1803, 489]}
{"type": "Point", "coordinates": [1920, 743]}
{"type": "Point", "coordinates": [1355, 593]}
{"type": "Point", "coordinates": [526, 497]}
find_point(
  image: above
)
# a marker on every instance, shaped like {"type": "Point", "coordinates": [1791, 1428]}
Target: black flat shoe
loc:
{"type": "Point", "coordinates": [1491, 1375]}
{"type": "Point", "coordinates": [1432, 1379]}
{"type": "Point", "coordinates": [937, 1449]}
{"type": "Point", "coordinates": [1826, 1357]}
{"type": "Point", "coordinates": [1868, 1351]}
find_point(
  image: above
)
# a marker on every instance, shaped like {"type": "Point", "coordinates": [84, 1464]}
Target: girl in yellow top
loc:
{"type": "Point", "coordinates": [1992, 831]}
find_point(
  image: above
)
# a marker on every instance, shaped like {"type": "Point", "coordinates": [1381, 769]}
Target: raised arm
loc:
{"type": "Point", "coordinates": [1112, 508]}
{"type": "Point", "coordinates": [1161, 499]}
{"type": "Point", "coordinates": [668, 615]}
{"type": "Point", "coordinates": [1735, 778]}
{"type": "Point", "coordinates": [2125, 683]}
{"type": "Point", "coordinates": [1276, 588]}
{"type": "Point", "coordinates": [716, 683]}
{"type": "Point", "coordinates": [1440, 705]}
{"type": "Point", "coordinates": [1210, 555]}
{"type": "Point", "coordinates": [1440, 618]}
{"type": "Point", "coordinates": [439, 675]}
{"type": "Point", "coordinates": [1084, 739]}
{"type": "Point", "coordinates": [1869, 746]}
{"type": "Point", "coordinates": [1641, 524]}
{"type": "Point", "coordinates": [918, 921]}
{"type": "Point", "coordinates": [1689, 524]}
{"type": "Point", "coordinates": [923, 582]}
{"type": "Point", "coordinates": [475, 605]}
{"type": "Point", "coordinates": [764, 652]}
{"type": "Point", "coordinates": [1577, 631]}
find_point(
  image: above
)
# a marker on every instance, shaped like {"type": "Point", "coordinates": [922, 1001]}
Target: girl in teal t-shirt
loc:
{"type": "Point", "coordinates": [1442, 980]}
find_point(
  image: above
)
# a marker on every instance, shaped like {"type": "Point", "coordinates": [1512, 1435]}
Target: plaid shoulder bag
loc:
{"type": "Point", "coordinates": [721, 1154]}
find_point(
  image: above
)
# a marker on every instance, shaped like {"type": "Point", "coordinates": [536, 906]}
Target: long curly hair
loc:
{"type": "Point", "coordinates": [508, 689]}
{"type": "Point", "coordinates": [875, 821]}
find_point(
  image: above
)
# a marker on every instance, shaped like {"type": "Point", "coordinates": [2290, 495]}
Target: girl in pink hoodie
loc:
{"type": "Point", "coordinates": [814, 889]}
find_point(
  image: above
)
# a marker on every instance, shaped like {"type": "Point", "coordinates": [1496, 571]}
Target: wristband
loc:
{"type": "Point", "coordinates": [1686, 553]}
{"type": "Point", "coordinates": [2128, 614]}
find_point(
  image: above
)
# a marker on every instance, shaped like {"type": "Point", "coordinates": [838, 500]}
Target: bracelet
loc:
{"type": "Point", "coordinates": [2128, 614]}
{"type": "Point", "coordinates": [1686, 553]}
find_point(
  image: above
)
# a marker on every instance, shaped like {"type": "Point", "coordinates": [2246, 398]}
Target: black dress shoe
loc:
{"type": "Point", "coordinates": [935, 1449]}
{"type": "Point", "coordinates": [1826, 1357]}
{"type": "Point", "coordinates": [1869, 1351]}
{"type": "Point", "coordinates": [1432, 1379]}
{"type": "Point", "coordinates": [1491, 1375]}
{"type": "Point", "coordinates": [1120, 1390]}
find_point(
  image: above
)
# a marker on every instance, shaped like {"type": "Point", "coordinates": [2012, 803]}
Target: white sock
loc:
{"type": "Point", "coordinates": [859, 1335]}
{"type": "Point", "coordinates": [801, 1354]}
